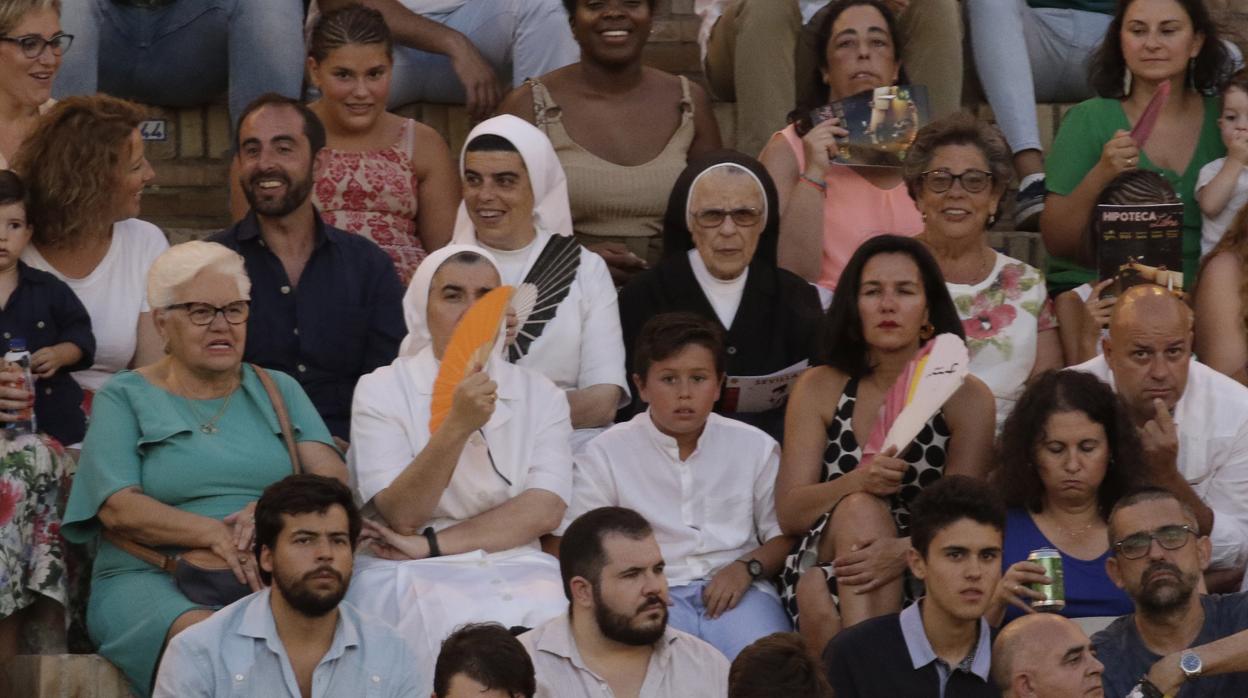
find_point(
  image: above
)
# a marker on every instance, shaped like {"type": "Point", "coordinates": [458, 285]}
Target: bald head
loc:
{"type": "Point", "coordinates": [1045, 655]}
{"type": "Point", "coordinates": [1148, 349]}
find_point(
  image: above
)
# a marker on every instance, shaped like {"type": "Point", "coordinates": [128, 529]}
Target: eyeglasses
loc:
{"type": "Point", "coordinates": [201, 314]}
{"type": "Point", "coordinates": [714, 217]}
{"type": "Point", "coordinates": [1170, 537]}
{"type": "Point", "coordinates": [973, 181]}
{"type": "Point", "coordinates": [33, 45]}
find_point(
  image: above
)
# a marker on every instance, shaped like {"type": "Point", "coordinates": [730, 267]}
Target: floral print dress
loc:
{"type": "Point", "coordinates": [35, 474]}
{"type": "Point", "coordinates": [1003, 316]}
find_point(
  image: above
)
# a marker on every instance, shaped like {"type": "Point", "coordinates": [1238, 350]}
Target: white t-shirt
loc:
{"type": "Point", "coordinates": [711, 10]}
{"type": "Point", "coordinates": [114, 293]}
{"type": "Point", "coordinates": [725, 296]}
{"type": "Point", "coordinates": [1211, 229]}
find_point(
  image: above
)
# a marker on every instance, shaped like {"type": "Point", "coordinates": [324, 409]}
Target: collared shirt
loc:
{"type": "Point", "coordinates": [978, 662]}
{"type": "Point", "coordinates": [707, 510]}
{"type": "Point", "coordinates": [681, 666]}
{"type": "Point", "coordinates": [237, 652]}
{"type": "Point", "coordinates": [1212, 420]}
{"type": "Point", "coordinates": [343, 320]}
{"type": "Point", "coordinates": [44, 311]}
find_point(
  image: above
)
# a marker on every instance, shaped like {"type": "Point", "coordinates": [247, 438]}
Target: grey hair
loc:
{"type": "Point", "coordinates": [178, 265]}
{"type": "Point", "coordinates": [12, 11]}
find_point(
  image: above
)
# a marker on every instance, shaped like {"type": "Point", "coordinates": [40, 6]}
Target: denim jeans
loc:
{"type": "Point", "coordinates": [186, 53]}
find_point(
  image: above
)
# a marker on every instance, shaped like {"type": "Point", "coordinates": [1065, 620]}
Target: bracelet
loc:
{"type": "Point", "coordinates": [432, 536]}
{"type": "Point", "coordinates": [814, 183]}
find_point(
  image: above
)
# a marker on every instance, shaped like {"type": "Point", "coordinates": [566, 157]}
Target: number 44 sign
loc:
{"type": "Point", "coordinates": [153, 130]}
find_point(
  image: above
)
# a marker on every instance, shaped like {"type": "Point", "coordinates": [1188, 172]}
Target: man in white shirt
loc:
{"type": "Point", "coordinates": [297, 638]}
{"type": "Point", "coordinates": [1193, 420]}
{"type": "Point", "coordinates": [614, 639]}
{"type": "Point", "coordinates": [764, 34]}
{"type": "Point", "coordinates": [455, 50]}
{"type": "Point", "coordinates": [706, 483]}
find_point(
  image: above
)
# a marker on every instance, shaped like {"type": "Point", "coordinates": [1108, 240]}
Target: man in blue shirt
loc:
{"type": "Point", "coordinates": [326, 305]}
{"type": "Point", "coordinates": [297, 638]}
{"type": "Point", "coordinates": [940, 646]}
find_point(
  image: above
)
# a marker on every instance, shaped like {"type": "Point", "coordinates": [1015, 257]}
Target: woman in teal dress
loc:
{"type": "Point", "coordinates": [177, 454]}
{"type": "Point", "coordinates": [1149, 42]}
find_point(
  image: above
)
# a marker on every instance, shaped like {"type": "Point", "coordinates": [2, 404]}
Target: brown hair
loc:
{"type": "Point", "coordinates": [777, 666]}
{"type": "Point", "coordinates": [70, 163]}
{"type": "Point", "coordinates": [352, 24]}
{"type": "Point", "coordinates": [12, 11]}
{"type": "Point", "coordinates": [1234, 241]}
{"type": "Point", "coordinates": [959, 128]}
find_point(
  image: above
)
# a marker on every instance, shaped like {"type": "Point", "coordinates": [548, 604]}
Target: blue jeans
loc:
{"type": "Point", "coordinates": [185, 53]}
{"type": "Point", "coordinates": [757, 614]}
{"type": "Point", "coordinates": [520, 38]}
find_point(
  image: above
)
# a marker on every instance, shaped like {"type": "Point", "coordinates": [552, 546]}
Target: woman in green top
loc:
{"type": "Point", "coordinates": [1149, 42]}
{"type": "Point", "coordinates": [177, 454]}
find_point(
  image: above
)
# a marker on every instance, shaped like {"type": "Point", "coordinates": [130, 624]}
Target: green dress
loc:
{"type": "Point", "coordinates": [1084, 132]}
{"type": "Point", "coordinates": [143, 436]}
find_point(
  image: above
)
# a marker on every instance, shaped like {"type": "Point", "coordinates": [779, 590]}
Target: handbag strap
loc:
{"type": "Point", "coordinates": [283, 417]}
{"type": "Point", "coordinates": [142, 552]}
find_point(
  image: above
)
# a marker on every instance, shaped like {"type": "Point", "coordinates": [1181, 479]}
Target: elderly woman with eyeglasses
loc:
{"type": "Point", "coordinates": [957, 172]}
{"type": "Point", "coordinates": [31, 46]}
{"type": "Point", "coordinates": [177, 454]}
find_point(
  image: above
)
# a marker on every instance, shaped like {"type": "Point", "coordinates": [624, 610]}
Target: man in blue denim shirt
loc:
{"type": "Point", "coordinates": [297, 638]}
{"type": "Point", "coordinates": [326, 305]}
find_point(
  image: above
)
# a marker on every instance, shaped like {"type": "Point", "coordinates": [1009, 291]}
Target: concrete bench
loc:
{"type": "Point", "coordinates": [66, 676]}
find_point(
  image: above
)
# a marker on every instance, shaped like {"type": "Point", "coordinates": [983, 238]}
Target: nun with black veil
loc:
{"type": "Point", "coordinates": [720, 234]}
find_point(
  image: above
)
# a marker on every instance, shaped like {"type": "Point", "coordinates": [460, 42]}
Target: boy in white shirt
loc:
{"type": "Point", "coordinates": [705, 482]}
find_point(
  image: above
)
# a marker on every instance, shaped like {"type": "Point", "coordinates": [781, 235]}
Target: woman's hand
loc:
{"type": "Point", "coordinates": [243, 522]}
{"type": "Point", "coordinates": [242, 563]}
{"type": "Point", "coordinates": [389, 545]}
{"type": "Point", "coordinates": [14, 396]}
{"type": "Point", "coordinates": [1013, 589]}
{"type": "Point", "coordinates": [869, 566]}
{"type": "Point", "coordinates": [1120, 153]}
{"type": "Point", "coordinates": [1099, 309]}
{"type": "Point", "coordinates": [726, 589]}
{"type": "Point", "coordinates": [820, 146]}
{"type": "Point", "coordinates": [622, 263]}
{"type": "Point", "coordinates": [882, 474]}
{"type": "Point", "coordinates": [474, 400]}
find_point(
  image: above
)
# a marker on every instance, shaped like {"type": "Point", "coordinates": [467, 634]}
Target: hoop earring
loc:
{"type": "Point", "coordinates": [1126, 82]}
{"type": "Point", "coordinates": [927, 331]}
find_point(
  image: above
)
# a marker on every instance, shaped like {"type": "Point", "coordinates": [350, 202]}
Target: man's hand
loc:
{"type": "Point", "coordinates": [1166, 675]}
{"type": "Point", "coordinates": [1160, 437]}
{"type": "Point", "coordinates": [478, 78]}
{"type": "Point", "coordinates": [391, 545]}
{"type": "Point", "coordinates": [620, 262]}
{"type": "Point", "coordinates": [726, 589]}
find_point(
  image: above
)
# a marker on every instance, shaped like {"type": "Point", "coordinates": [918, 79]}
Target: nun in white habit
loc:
{"type": "Point", "coordinates": [474, 497]}
{"type": "Point", "coordinates": [516, 206]}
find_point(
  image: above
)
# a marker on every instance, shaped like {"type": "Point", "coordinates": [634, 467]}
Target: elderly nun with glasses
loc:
{"type": "Point", "coordinates": [957, 172]}
{"type": "Point", "coordinates": [176, 457]}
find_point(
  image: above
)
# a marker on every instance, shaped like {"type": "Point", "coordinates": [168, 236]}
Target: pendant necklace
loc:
{"type": "Point", "coordinates": [210, 427]}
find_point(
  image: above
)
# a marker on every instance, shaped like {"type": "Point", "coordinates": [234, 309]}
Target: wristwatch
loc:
{"type": "Point", "coordinates": [1190, 663]}
{"type": "Point", "coordinates": [756, 568]}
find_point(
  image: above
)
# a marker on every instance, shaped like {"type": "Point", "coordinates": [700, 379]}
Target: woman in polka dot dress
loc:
{"type": "Point", "coordinates": [854, 521]}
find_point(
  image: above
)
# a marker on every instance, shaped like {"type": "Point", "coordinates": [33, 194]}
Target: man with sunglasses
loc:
{"type": "Point", "coordinates": [1180, 641]}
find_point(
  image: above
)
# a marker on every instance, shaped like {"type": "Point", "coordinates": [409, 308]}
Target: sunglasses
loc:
{"type": "Point", "coordinates": [714, 217]}
{"type": "Point", "coordinates": [1137, 545]}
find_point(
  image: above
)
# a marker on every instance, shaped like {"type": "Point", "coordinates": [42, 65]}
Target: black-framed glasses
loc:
{"type": "Point", "coordinates": [1171, 537]}
{"type": "Point", "coordinates": [33, 45]}
{"type": "Point", "coordinates": [973, 181]}
{"type": "Point", "coordinates": [235, 313]}
{"type": "Point", "coordinates": [714, 217]}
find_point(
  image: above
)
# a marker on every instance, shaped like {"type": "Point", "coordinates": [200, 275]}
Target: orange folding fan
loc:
{"type": "Point", "coordinates": [470, 346]}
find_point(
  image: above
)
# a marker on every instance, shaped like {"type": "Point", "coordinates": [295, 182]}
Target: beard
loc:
{"type": "Point", "coordinates": [301, 597]}
{"type": "Point", "coordinates": [296, 193]}
{"type": "Point", "coordinates": [619, 627]}
{"type": "Point", "coordinates": [1161, 596]}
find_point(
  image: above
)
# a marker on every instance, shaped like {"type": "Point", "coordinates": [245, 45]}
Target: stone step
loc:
{"type": "Point", "coordinates": [66, 676]}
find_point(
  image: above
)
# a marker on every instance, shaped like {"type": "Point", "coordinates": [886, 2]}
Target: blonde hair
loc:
{"type": "Point", "coordinates": [178, 265]}
{"type": "Point", "coordinates": [1234, 241]}
{"type": "Point", "coordinates": [12, 11]}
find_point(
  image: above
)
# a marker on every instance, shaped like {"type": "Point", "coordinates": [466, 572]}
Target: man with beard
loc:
{"type": "Point", "coordinates": [614, 639]}
{"type": "Point", "coordinates": [1179, 642]}
{"type": "Point", "coordinates": [1044, 655]}
{"type": "Point", "coordinates": [296, 639]}
{"type": "Point", "coordinates": [326, 305]}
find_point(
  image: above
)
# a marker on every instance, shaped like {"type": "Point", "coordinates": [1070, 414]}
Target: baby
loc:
{"type": "Point", "coordinates": [40, 308]}
{"type": "Point", "coordinates": [1222, 185]}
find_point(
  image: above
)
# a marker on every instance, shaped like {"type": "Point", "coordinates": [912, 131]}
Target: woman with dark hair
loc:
{"type": "Point", "coordinates": [828, 208]}
{"type": "Point", "coordinates": [891, 300]}
{"type": "Point", "coordinates": [719, 261]}
{"type": "Point", "coordinates": [957, 171]}
{"type": "Point", "coordinates": [1149, 42]}
{"type": "Point", "coordinates": [1066, 454]}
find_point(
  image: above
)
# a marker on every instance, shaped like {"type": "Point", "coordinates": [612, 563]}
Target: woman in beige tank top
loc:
{"type": "Point", "coordinates": [622, 131]}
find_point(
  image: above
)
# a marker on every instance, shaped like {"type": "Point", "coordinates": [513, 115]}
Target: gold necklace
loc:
{"type": "Point", "coordinates": [210, 427]}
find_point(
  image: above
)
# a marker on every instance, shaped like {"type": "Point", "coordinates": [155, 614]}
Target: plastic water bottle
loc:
{"type": "Point", "coordinates": [25, 422]}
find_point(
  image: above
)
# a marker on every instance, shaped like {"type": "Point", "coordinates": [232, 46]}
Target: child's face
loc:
{"type": "Point", "coordinates": [14, 234]}
{"type": "Point", "coordinates": [1234, 119]}
{"type": "Point", "coordinates": [681, 390]}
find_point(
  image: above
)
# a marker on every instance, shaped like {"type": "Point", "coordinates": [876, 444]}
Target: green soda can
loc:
{"type": "Point", "coordinates": [1054, 594]}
